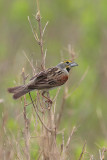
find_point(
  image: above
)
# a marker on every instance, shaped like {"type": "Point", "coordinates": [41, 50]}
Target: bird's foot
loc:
{"type": "Point", "coordinates": [49, 101]}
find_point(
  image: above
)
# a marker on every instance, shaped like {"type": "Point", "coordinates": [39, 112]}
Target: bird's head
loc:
{"type": "Point", "coordinates": [67, 65]}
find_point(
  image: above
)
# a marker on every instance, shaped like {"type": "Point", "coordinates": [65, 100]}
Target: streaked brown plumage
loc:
{"type": "Point", "coordinates": [45, 80]}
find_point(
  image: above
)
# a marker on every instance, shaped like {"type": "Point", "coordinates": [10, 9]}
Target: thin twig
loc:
{"type": "Point", "coordinates": [54, 100]}
{"type": "Point", "coordinates": [39, 116]}
{"type": "Point", "coordinates": [69, 139]}
{"type": "Point", "coordinates": [62, 145]}
{"type": "Point", "coordinates": [44, 58]}
{"type": "Point", "coordinates": [38, 18]}
{"type": "Point", "coordinates": [61, 111]}
{"type": "Point", "coordinates": [100, 154]}
{"type": "Point", "coordinates": [34, 33]}
{"type": "Point", "coordinates": [44, 28]}
{"type": "Point", "coordinates": [83, 150]}
{"type": "Point", "coordinates": [91, 157]}
{"type": "Point", "coordinates": [29, 62]}
{"type": "Point", "coordinates": [71, 52]}
{"type": "Point", "coordinates": [40, 155]}
{"type": "Point", "coordinates": [26, 130]}
{"type": "Point", "coordinates": [56, 94]}
{"type": "Point", "coordinates": [11, 144]}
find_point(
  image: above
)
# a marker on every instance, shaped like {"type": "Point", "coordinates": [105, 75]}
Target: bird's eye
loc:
{"type": "Point", "coordinates": [67, 62]}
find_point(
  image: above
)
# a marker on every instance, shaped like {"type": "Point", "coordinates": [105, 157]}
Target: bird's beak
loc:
{"type": "Point", "coordinates": [73, 64]}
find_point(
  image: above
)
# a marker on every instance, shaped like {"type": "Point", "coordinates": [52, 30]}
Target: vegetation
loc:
{"type": "Point", "coordinates": [76, 121]}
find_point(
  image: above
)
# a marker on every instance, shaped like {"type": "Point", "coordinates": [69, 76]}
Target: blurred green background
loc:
{"type": "Point", "coordinates": [83, 24]}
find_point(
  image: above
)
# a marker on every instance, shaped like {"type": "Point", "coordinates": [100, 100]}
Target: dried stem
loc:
{"type": "Point", "coordinates": [69, 139]}
{"type": "Point", "coordinates": [34, 33]}
{"type": "Point", "coordinates": [38, 114]}
{"type": "Point", "coordinates": [61, 111]}
{"type": "Point", "coordinates": [62, 145]}
{"type": "Point", "coordinates": [83, 151]}
{"type": "Point", "coordinates": [38, 18]}
{"type": "Point", "coordinates": [26, 130]}
{"type": "Point", "coordinates": [44, 29]}
{"type": "Point", "coordinates": [101, 153]}
{"type": "Point", "coordinates": [29, 62]}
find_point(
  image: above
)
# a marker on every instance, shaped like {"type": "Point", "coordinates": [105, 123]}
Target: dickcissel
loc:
{"type": "Point", "coordinates": [45, 80]}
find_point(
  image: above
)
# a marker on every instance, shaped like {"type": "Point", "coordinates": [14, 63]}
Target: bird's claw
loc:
{"type": "Point", "coordinates": [49, 101]}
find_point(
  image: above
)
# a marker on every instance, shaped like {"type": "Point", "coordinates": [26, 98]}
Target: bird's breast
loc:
{"type": "Point", "coordinates": [63, 79]}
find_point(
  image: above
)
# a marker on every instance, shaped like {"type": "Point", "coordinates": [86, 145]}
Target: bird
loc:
{"type": "Point", "coordinates": [45, 80]}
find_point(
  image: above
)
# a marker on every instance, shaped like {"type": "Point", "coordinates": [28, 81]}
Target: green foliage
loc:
{"type": "Point", "coordinates": [19, 10]}
{"type": "Point", "coordinates": [12, 125]}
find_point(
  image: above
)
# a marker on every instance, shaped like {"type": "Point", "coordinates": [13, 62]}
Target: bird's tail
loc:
{"type": "Point", "coordinates": [18, 91]}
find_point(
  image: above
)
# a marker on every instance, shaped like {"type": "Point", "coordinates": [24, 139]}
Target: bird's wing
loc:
{"type": "Point", "coordinates": [50, 78]}
{"type": "Point", "coordinates": [38, 75]}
